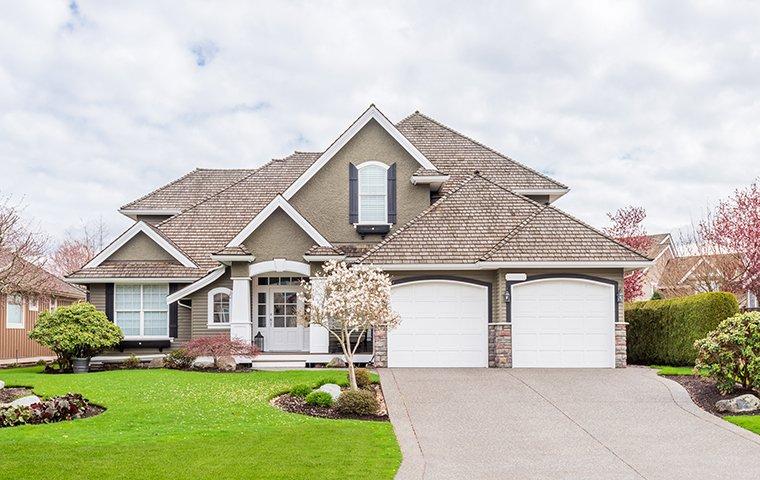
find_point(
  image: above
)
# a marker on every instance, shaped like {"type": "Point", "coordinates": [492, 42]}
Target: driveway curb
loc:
{"type": "Point", "coordinates": [413, 461]}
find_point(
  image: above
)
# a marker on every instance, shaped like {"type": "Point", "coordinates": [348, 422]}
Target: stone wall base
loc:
{"type": "Point", "coordinates": [621, 349]}
{"type": "Point", "coordinates": [380, 347]}
{"type": "Point", "coordinates": [500, 345]}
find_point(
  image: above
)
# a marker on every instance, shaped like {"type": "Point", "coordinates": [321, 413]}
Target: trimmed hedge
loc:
{"type": "Point", "coordinates": [663, 332]}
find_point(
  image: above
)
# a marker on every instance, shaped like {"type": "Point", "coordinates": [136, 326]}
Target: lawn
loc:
{"type": "Point", "coordinates": [173, 424]}
{"type": "Point", "coordinates": [668, 370]}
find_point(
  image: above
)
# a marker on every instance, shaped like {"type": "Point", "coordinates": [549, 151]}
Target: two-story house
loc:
{"type": "Point", "coordinates": [486, 271]}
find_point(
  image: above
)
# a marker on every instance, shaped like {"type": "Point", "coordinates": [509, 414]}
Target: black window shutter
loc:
{"type": "Point", "coordinates": [174, 312]}
{"type": "Point", "coordinates": [353, 194]}
{"type": "Point", "coordinates": [109, 301]}
{"type": "Point", "coordinates": [392, 194]}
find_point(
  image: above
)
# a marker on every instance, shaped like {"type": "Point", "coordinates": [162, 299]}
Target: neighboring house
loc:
{"type": "Point", "coordinates": [661, 250]}
{"type": "Point", "coordinates": [19, 312]}
{"type": "Point", "coordinates": [702, 273]}
{"type": "Point", "coordinates": [486, 271]}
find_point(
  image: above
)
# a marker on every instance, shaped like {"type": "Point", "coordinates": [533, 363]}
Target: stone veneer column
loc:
{"type": "Point", "coordinates": [621, 349]}
{"type": "Point", "coordinates": [500, 345]}
{"type": "Point", "coordinates": [380, 347]}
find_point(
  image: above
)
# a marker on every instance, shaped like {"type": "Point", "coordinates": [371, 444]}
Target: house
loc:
{"type": "Point", "coordinates": [703, 273]}
{"type": "Point", "coordinates": [661, 249]}
{"type": "Point", "coordinates": [486, 270]}
{"type": "Point", "coordinates": [19, 313]}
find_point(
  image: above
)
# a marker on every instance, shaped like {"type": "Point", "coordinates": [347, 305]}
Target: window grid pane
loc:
{"type": "Point", "coordinates": [127, 297]}
{"type": "Point", "coordinates": [372, 194]}
{"type": "Point", "coordinates": [156, 323]}
{"type": "Point", "coordinates": [129, 322]}
{"type": "Point", "coordinates": [15, 314]}
{"type": "Point", "coordinates": [141, 310]}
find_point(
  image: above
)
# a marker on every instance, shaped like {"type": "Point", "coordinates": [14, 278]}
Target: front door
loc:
{"type": "Point", "coordinates": [285, 334]}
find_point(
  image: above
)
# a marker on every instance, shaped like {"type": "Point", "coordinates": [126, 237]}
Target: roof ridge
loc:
{"type": "Point", "coordinates": [519, 164]}
{"type": "Point", "coordinates": [416, 218]}
{"type": "Point", "coordinates": [172, 242]}
{"type": "Point", "coordinates": [156, 190]}
{"type": "Point", "coordinates": [509, 236]}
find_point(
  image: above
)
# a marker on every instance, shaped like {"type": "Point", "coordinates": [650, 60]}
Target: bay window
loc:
{"type": "Point", "coordinates": [141, 310]}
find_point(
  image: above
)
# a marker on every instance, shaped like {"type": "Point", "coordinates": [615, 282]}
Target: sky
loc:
{"type": "Point", "coordinates": [655, 104]}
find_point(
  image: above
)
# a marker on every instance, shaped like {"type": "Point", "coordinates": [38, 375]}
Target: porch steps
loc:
{"type": "Point", "coordinates": [264, 364]}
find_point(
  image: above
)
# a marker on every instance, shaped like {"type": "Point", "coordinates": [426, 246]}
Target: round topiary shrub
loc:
{"type": "Point", "coordinates": [300, 390]}
{"type": "Point", "coordinates": [357, 402]}
{"type": "Point", "coordinates": [320, 399]}
{"type": "Point", "coordinates": [363, 378]}
{"type": "Point", "coordinates": [730, 354]}
{"type": "Point", "coordinates": [78, 330]}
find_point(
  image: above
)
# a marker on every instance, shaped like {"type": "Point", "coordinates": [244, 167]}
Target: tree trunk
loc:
{"type": "Point", "coordinates": [351, 372]}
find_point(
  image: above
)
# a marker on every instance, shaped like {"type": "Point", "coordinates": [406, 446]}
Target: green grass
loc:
{"type": "Point", "coordinates": [668, 370]}
{"type": "Point", "coordinates": [172, 424]}
{"type": "Point", "coordinates": [750, 422]}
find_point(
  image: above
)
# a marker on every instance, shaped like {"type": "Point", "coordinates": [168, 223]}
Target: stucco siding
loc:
{"type": "Point", "coordinates": [279, 237]}
{"type": "Point", "coordinates": [141, 247]}
{"type": "Point", "coordinates": [323, 201]}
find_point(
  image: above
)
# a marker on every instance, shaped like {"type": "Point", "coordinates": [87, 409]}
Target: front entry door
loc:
{"type": "Point", "coordinates": [285, 333]}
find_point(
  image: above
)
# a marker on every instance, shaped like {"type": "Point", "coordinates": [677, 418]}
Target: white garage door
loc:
{"type": "Point", "coordinates": [563, 322]}
{"type": "Point", "coordinates": [444, 323]}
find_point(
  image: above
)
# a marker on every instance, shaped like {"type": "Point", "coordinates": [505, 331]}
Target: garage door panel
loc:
{"type": "Point", "coordinates": [563, 322]}
{"type": "Point", "coordinates": [443, 324]}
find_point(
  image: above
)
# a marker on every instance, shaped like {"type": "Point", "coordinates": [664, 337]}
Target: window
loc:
{"type": "Point", "coordinates": [141, 310]}
{"type": "Point", "coordinates": [14, 311]}
{"type": "Point", "coordinates": [373, 193]}
{"type": "Point", "coordinates": [53, 304]}
{"type": "Point", "coordinates": [34, 304]}
{"type": "Point", "coordinates": [219, 307]}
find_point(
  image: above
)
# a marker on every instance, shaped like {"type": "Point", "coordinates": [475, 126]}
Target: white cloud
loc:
{"type": "Point", "coordinates": [646, 103]}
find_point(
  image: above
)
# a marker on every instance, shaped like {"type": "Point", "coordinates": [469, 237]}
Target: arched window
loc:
{"type": "Point", "coordinates": [373, 193]}
{"type": "Point", "coordinates": [219, 307]}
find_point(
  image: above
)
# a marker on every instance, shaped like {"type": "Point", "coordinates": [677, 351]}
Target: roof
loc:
{"type": "Point", "coordinates": [138, 269]}
{"type": "Point", "coordinates": [35, 278]}
{"type": "Point", "coordinates": [481, 221]}
{"type": "Point", "coordinates": [659, 242]}
{"type": "Point", "coordinates": [679, 268]}
{"type": "Point", "coordinates": [459, 156]}
{"type": "Point", "coordinates": [189, 189]}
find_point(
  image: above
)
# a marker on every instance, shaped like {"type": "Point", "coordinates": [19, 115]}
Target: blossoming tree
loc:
{"type": "Point", "coordinates": [627, 229]}
{"type": "Point", "coordinates": [348, 301]}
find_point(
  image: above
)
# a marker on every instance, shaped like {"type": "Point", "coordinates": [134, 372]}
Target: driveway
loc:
{"type": "Point", "coordinates": [559, 424]}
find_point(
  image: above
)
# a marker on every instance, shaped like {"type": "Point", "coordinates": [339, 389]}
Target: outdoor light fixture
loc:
{"type": "Point", "coordinates": [258, 340]}
{"type": "Point", "coordinates": [620, 297]}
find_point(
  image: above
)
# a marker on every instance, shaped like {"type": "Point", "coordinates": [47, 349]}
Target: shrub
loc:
{"type": "Point", "coordinates": [730, 354]}
{"type": "Point", "coordinates": [363, 378]}
{"type": "Point", "coordinates": [132, 361]}
{"type": "Point", "coordinates": [301, 390]}
{"type": "Point", "coordinates": [67, 407]}
{"type": "Point", "coordinates": [220, 346]}
{"type": "Point", "coordinates": [78, 330]}
{"type": "Point", "coordinates": [357, 402]}
{"type": "Point", "coordinates": [663, 332]}
{"type": "Point", "coordinates": [179, 359]}
{"type": "Point", "coordinates": [320, 399]}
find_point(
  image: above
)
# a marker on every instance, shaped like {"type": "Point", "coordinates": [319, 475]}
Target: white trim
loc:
{"type": "Point", "coordinates": [133, 213]}
{"type": "Point", "coordinates": [495, 265]}
{"type": "Point", "coordinates": [279, 265]}
{"type": "Point", "coordinates": [210, 303]}
{"type": "Point", "coordinates": [359, 169]}
{"type": "Point", "coordinates": [233, 258]}
{"type": "Point", "coordinates": [142, 311]}
{"type": "Point", "coordinates": [210, 277]}
{"type": "Point", "coordinates": [8, 324]}
{"type": "Point", "coordinates": [128, 235]}
{"type": "Point", "coordinates": [34, 303]}
{"type": "Point", "coordinates": [373, 163]}
{"type": "Point", "coordinates": [278, 202]}
{"type": "Point", "coordinates": [323, 258]}
{"type": "Point", "coordinates": [425, 179]}
{"type": "Point", "coordinates": [554, 193]}
{"type": "Point", "coordinates": [372, 113]}
{"type": "Point", "coordinates": [87, 280]}
{"type": "Point", "coordinates": [516, 277]}
{"type": "Point", "coordinates": [691, 270]}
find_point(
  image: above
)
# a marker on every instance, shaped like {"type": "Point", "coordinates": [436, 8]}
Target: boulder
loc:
{"type": "Point", "coordinates": [226, 363]}
{"type": "Point", "coordinates": [2, 384]}
{"type": "Point", "coordinates": [336, 362]}
{"type": "Point", "coordinates": [741, 404]}
{"type": "Point", "coordinates": [332, 389]}
{"type": "Point", "coordinates": [156, 363]}
{"type": "Point", "coordinates": [25, 401]}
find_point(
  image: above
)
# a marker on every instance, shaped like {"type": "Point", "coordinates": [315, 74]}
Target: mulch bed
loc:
{"type": "Point", "coordinates": [9, 394]}
{"type": "Point", "coordinates": [292, 404]}
{"type": "Point", "coordinates": [703, 392]}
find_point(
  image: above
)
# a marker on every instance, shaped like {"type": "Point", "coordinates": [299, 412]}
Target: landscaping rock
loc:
{"type": "Point", "coordinates": [332, 389]}
{"type": "Point", "coordinates": [226, 364]}
{"type": "Point", "coordinates": [2, 384]}
{"type": "Point", "coordinates": [741, 404]}
{"type": "Point", "coordinates": [156, 363]}
{"type": "Point", "coordinates": [25, 401]}
{"type": "Point", "coordinates": [336, 362]}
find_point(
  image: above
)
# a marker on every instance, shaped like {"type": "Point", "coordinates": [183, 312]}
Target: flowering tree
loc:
{"type": "Point", "coordinates": [348, 301]}
{"type": "Point", "coordinates": [79, 247]}
{"type": "Point", "coordinates": [734, 227]}
{"type": "Point", "coordinates": [22, 252]}
{"type": "Point", "coordinates": [627, 229]}
{"type": "Point", "coordinates": [219, 346]}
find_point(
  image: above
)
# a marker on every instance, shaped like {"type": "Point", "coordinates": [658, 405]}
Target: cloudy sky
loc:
{"type": "Point", "coordinates": [648, 103]}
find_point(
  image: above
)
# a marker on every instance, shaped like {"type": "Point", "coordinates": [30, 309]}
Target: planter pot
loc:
{"type": "Point", "coordinates": [81, 365]}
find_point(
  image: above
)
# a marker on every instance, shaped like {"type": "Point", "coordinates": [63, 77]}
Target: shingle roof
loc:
{"type": "Point", "coordinates": [459, 156]}
{"type": "Point", "coordinates": [138, 269]}
{"type": "Point", "coordinates": [189, 189]}
{"type": "Point", "coordinates": [239, 250]}
{"type": "Point", "coordinates": [208, 226]}
{"type": "Point", "coordinates": [656, 245]}
{"type": "Point", "coordinates": [482, 221]}
{"type": "Point", "coordinates": [29, 277]}
{"type": "Point", "coordinates": [320, 250]}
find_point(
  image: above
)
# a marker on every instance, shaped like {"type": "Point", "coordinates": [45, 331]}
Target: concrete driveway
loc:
{"type": "Point", "coordinates": [559, 424]}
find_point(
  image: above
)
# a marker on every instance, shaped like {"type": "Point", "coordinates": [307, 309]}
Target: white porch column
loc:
{"type": "Point", "coordinates": [240, 309]}
{"type": "Point", "coordinates": [319, 337]}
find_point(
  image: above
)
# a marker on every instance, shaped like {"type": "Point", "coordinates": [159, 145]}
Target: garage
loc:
{"type": "Point", "coordinates": [563, 323]}
{"type": "Point", "coordinates": [444, 323]}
